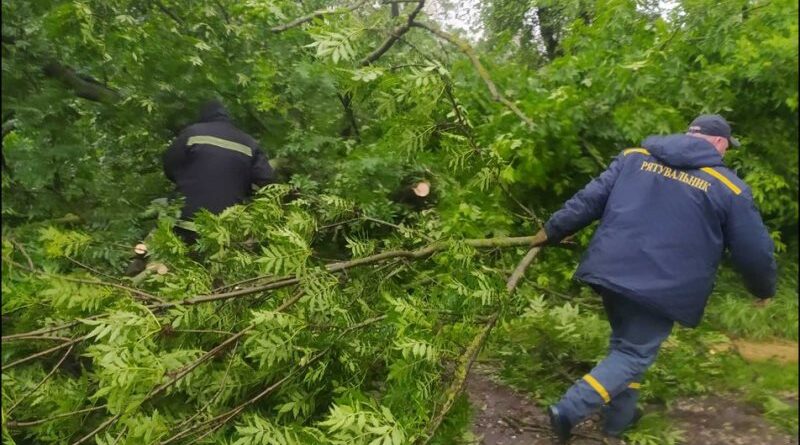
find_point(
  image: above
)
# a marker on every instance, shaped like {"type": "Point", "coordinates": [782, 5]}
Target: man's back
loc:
{"type": "Point", "coordinates": [214, 164]}
{"type": "Point", "coordinates": [668, 211]}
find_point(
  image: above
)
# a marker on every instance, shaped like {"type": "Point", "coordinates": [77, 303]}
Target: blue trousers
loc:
{"type": "Point", "coordinates": [636, 337]}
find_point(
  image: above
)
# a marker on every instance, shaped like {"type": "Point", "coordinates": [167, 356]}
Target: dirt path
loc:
{"type": "Point", "coordinates": [715, 420]}
{"type": "Point", "coordinates": [781, 350]}
{"type": "Point", "coordinates": [504, 417]}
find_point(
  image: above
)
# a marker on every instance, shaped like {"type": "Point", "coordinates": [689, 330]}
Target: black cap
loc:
{"type": "Point", "coordinates": [713, 125]}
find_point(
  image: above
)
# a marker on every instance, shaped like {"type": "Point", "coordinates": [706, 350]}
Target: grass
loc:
{"type": "Point", "coordinates": [654, 429]}
{"type": "Point", "coordinates": [455, 428]}
{"type": "Point", "coordinates": [765, 385]}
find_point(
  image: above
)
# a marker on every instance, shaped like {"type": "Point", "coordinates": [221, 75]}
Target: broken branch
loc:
{"type": "Point", "coordinates": [466, 361]}
{"type": "Point", "coordinates": [482, 72]}
{"type": "Point", "coordinates": [395, 34]}
{"type": "Point", "coordinates": [318, 13]}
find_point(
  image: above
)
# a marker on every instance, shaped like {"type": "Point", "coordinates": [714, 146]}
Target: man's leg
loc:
{"type": "Point", "coordinates": [638, 336]}
{"type": "Point", "coordinates": [621, 412]}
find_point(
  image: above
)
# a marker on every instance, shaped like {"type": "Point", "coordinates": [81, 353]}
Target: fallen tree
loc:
{"type": "Point", "coordinates": [295, 311]}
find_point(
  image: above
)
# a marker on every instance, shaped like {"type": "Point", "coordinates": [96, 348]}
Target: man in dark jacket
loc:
{"type": "Point", "coordinates": [667, 212]}
{"type": "Point", "coordinates": [214, 165]}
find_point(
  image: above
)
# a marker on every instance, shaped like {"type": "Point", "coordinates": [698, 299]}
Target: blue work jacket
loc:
{"type": "Point", "coordinates": [668, 211]}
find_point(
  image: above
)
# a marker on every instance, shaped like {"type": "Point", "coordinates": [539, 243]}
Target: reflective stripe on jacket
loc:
{"type": "Point", "coordinates": [214, 164]}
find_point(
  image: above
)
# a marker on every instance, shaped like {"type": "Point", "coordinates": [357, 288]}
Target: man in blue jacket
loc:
{"type": "Point", "coordinates": [667, 212]}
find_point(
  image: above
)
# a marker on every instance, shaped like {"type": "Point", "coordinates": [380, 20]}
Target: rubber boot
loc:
{"type": "Point", "coordinates": [560, 425]}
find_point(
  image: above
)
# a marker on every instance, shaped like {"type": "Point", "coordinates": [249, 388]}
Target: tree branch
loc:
{"type": "Point", "coordinates": [86, 88]}
{"type": "Point", "coordinates": [519, 272]}
{"type": "Point", "coordinates": [318, 13]}
{"type": "Point", "coordinates": [471, 353]}
{"type": "Point", "coordinates": [466, 361]}
{"type": "Point", "coordinates": [186, 370]}
{"type": "Point", "coordinates": [482, 72]}
{"type": "Point", "coordinates": [15, 424]}
{"type": "Point", "coordinates": [455, 388]}
{"type": "Point", "coordinates": [481, 243]}
{"type": "Point", "coordinates": [168, 12]}
{"type": "Point", "coordinates": [42, 382]}
{"type": "Point", "coordinates": [396, 33]}
{"type": "Point", "coordinates": [38, 332]}
{"type": "Point", "coordinates": [68, 344]}
{"type": "Point", "coordinates": [423, 252]}
{"type": "Point", "coordinates": [136, 292]}
{"type": "Point", "coordinates": [347, 100]}
{"type": "Point", "coordinates": [220, 420]}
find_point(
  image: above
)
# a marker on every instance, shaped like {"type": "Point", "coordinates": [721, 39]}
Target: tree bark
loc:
{"type": "Point", "coordinates": [549, 31]}
{"type": "Point", "coordinates": [89, 89]}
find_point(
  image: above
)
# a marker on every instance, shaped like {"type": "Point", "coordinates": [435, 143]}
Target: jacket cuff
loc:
{"type": "Point", "coordinates": [553, 235]}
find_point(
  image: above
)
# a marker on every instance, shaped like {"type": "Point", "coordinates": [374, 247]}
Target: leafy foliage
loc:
{"type": "Point", "coordinates": [262, 333]}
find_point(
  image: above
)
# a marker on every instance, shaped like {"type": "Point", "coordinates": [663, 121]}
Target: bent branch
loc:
{"type": "Point", "coordinates": [465, 48]}
{"type": "Point", "coordinates": [396, 33]}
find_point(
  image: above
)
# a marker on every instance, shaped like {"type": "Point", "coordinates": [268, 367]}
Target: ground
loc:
{"type": "Point", "coordinates": [503, 416]}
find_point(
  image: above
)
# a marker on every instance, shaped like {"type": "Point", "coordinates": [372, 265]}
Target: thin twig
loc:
{"type": "Point", "coordinates": [318, 13]}
{"type": "Point", "coordinates": [519, 272]}
{"type": "Point", "coordinates": [395, 34]}
{"type": "Point", "coordinates": [216, 395]}
{"type": "Point", "coordinates": [142, 294]}
{"type": "Point", "coordinates": [68, 344]}
{"type": "Point", "coordinates": [36, 333]}
{"type": "Point", "coordinates": [101, 427]}
{"type": "Point", "coordinates": [90, 269]}
{"type": "Point", "coordinates": [23, 252]}
{"type": "Point", "coordinates": [525, 208]}
{"type": "Point", "coordinates": [400, 228]}
{"type": "Point", "coordinates": [36, 388]}
{"type": "Point", "coordinates": [481, 70]}
{"type": "Point", "coordinates": [407, 65]}
{"type": "Point", "coordinates": [224, 11]}
{"type": "Point", "coordinates": [217, 422]}
{"type": "Point", "coordinates": [169, 13]}
{"type": "Point", "coordinates": [340, 223]}
{"type": "Point", "coordinates": [40, 337]}
{"type": "Point", "coordinates": [203, 331]}
{"type": "Point", "coordinates": [15, 424]}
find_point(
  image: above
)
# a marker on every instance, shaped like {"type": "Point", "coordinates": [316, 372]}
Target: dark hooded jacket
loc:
{"type": "Point", "coordinates": [667, 212]}
{"type": "Point", "coordinates": [214, 164]}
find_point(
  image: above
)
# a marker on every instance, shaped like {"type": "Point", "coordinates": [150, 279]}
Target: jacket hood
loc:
{"type": "Point", "coordinates": [213, 110]}
{"type": "Point", "coordinates": [682, 151]}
